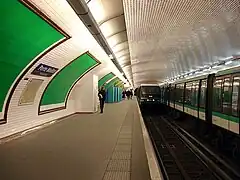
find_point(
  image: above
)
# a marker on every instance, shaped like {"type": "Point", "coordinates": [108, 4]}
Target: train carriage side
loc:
{"type": "Point", "coordinates": [225, 101]}
{"type": "Point", "coordinates": [214, 99]}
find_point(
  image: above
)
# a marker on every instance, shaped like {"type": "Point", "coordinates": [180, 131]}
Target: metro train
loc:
{"type": "Point", "coordinates": [211, 101]}
{"type": "Point", "coordinates": [214, 98]}
{"type": "Point", "coordinates": [148, 94]}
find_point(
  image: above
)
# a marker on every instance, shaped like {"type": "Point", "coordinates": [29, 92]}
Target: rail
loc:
{"type": "Point", "coordinates": [222, 166]}
{"type": "Point", "coordinates": [178, 157]}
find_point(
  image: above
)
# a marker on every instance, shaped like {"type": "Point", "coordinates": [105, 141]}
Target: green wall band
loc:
{"type": "Point", "coordinates": [118, 83]}
{"type": "Point", "coordinates": [24, 35]}
{"type": "Point", "coordinates": [111, 83]}
{"type": "Point", "coordinates": [57, 90]}
{"type": "Point", "coordinates": [105, 79]}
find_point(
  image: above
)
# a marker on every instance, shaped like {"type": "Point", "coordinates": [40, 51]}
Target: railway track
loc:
{"type": "Point", "coordinates": [178, 157]}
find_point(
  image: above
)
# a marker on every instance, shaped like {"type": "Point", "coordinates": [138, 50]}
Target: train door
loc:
{"type": "Point", "coordinates": [179, 96]}
{"type": "Point", "coordinates": [226, 102]}
{"type": "Point", "coordinates": [235, 103]}
{"type": "Point", "coordinates": [217, 115]}
{"type": "Point", "coordinates": [202, 99]}
{"type": "Point", "coordinates": [174, 94]}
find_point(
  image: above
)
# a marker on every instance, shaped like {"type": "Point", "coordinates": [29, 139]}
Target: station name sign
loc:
{"type": "Point", "coordinates": [44, 70]}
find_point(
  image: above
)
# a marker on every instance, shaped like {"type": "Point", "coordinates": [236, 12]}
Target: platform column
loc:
{"type": "Point", "coordinates": [120, 94]}
{"type": "Point", "coordinates": [110, 95]}
{"type": "Point", "coordinates": [85, 94]}
{"type": "Point", "coordinates": [116, 94]}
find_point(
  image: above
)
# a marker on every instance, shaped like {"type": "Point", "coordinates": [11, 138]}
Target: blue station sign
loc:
{"type": "Point", "coordinates": [44, 70]}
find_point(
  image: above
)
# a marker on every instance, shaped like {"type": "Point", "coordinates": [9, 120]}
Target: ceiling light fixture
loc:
{"type": "Point", "coordinates": [226, 58]}
{"type": "Point", "coordinates": [228, 62]}
{"type": "Point", "coordinates": [210, 69]}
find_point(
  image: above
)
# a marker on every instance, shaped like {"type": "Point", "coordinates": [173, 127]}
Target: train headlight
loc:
{"type": "Point", "coordinates": [142, 99]}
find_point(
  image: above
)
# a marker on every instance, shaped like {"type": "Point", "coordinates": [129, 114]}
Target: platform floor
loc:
{"type": "Point", "coordinates": [97, 146]}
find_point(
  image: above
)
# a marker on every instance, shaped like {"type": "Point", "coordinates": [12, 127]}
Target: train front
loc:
{"type": "Point", "coordinates": [149, 95]}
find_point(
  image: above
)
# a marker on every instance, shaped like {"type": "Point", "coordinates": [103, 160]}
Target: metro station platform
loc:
{"type": "Point", "coordinates": [83, 146]}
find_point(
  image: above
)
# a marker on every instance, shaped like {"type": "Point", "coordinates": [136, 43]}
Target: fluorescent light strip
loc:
{"type": "Point", "coordinates": [206, 68]}
{"type": "Point", "coordinates": [228, 62]}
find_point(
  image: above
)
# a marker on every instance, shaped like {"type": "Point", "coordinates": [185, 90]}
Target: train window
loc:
{"type": "Point", "coordinates": [188, 93]}
{"type": "Point", "coordinates": [163, 94]}
{"type": "Point", "coordinates": [217, 95]}
{"type": "Point", "coordinates": [162, 89]}
{"type": "Point", "coordinates": [180, 93]}
{"type": "Point", "coordinates": [194, 98]}
{"type": "Point", "coordinates": [203, 91]}
{"type": "Point", "coordinates": [235, 96]}
{"type": "Point", "coordinates": [226, 96]}
{"type": "Point", "coordinates": [166, 95]}
{"type": "Point", "coordinates": [172, 96]}
{"type": "Point", "coordinates": [150, 90]}
{"type": "Point", "coordinates": [177, 93]}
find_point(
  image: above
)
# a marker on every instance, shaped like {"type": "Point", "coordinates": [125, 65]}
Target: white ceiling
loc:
{"type": "Point", "coordinates": [110, 18]}
{"type": "Point", "coordinates": [155, 40]}
{"type": "Point", "coordinates": [170, 37]}
{"type": "Point", "coordinates": [63, 15]}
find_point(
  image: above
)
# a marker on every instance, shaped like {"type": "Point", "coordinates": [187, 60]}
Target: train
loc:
{"type": "Point", "coordinates": [214, 98]}
{"type": "Point", "coordinates": [148, 94]}
{"type": "Point", "coordinates": [211, 100]}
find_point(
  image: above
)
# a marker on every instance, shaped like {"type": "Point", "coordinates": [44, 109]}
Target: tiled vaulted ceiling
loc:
{"type": "Point", "coordinates": [110, 18]}
{"type": "Point", "coordinates": [170, 37]}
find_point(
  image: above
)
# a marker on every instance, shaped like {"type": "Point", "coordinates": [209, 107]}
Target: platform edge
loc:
{"type": "Point", "coordinates": [153, 166]}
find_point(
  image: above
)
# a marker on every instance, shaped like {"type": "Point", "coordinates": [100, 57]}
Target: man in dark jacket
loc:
{"type": "Point", "coordinates": [102, 97]}
{"type": "Point", "coordinates": [128, 94]}
{"type": "Point", "coordinates": [131, 93]}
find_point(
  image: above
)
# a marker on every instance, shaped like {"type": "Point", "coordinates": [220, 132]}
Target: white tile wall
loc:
{"type": "Point", "coordinates": [23, 117]}
{"type": "Point", "coordinates": [103, 72]}
{"type": "Point", "coordinates": [51, 106]}
{"type": "Point", "coordinates": [85, 93]}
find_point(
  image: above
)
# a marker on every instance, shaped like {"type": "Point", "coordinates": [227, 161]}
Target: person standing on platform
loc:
{"type": "Point", "coordinates": [102, 97]}
{"type": "Point", "coordinates": [123, 94]}
{"type": "Point", "coordinates": [131, 94]}
{"type": "Point", "coordinates": [128, 94]}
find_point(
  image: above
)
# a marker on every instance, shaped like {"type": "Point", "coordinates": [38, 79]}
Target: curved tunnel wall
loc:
{"type": "Point", "coordinates": [58, 89]}
{"type": "Point", "coordinates": [118, 89]}
{"type": "Point", "coordinates": [111, 83]}
{"type": "Point", "coordinates": [113, 93]}
{"type": "Point", "coordinates": [21, 43]}
{"type": "Point", "coordinates": [105, 78]}
{"type": "Point", "coordinates": [118, 83]}
{"type": "Point", "coordinates": [50, 28]}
